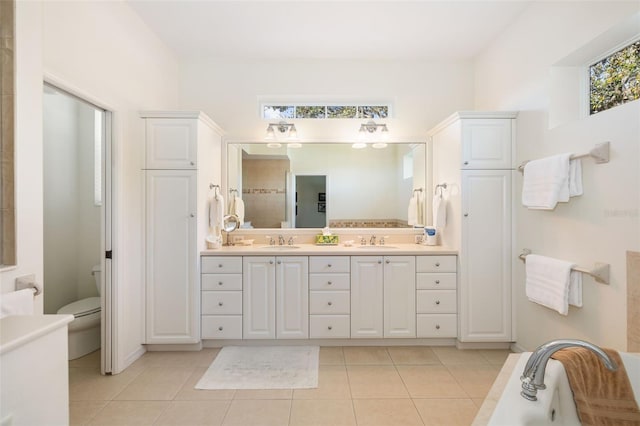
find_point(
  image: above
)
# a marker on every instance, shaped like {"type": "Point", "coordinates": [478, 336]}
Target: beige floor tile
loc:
{"type": "Point", "coordinates": [375, 381]}
{"type": "Point", "coordinates": [189, 392]}
{"type": "Point", "coordinates": [202, 358]}
{"type": "Point", "coordinates": [476, 380]}
{"type": "Point", "coordinates": [366, 355]}
{"type": "Point", "coordinates": [263, 394]}
{"type": "Point", "coordinates": [446, 412]}
{"type": "Point", "coordinates": [450, 355]}
{"type": "Point", "coordinates": [258, 412]}
{"type": "Point", "coordinates": [495, 356]}
{"type": "Point", "coordinates": [478, 402]}
{"type": "Point", "coordinates": [156, 383]}
{"type": "Point", "coordinates": [333, 383]}
{"type": "Point", "coordinates": [86, 383]}
{"type": "Point", "coordinates": [322, 413]}
{"type": "Point", "coordinates": [193, 413]}
{"type": "Point", "coordinates": [387, 412]}
{"type": "Point", "coordinates": [125, 413]}
{"type": "Point", "coordinates": [89, 360]}
{"type": "Point", "coordinates": [430, 381]}
{"type": "Point", "coordinates": [331, 355]}
{"type": "Point", "coordinates": [81, 412]}
{"type": "Point", "coordinates": [412, 355]}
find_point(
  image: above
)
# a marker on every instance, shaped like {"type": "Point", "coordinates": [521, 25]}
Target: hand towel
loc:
{"type": "Point", "coordinates": [439, 212]}
{"type": "Point", "coordinates": [548, 282]}
{"type": "Point", "coordinates": [17, 303]}
{"type": "Point", "coordinates": [216, 214]}
{"type": "Point", "coordinates": [238, 209]}
{"type": "Point", "coordinates": [545, 182]}
{"type": "Point", "coordinates": [602, 397]}
{"type": "Point", "coordinates": [575, 289]}
{"type": "Point", "coordinates": [412, 211]}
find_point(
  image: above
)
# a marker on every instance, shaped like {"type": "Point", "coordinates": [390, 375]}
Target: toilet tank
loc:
{"type": "Point", "coordinates": [95, 271]}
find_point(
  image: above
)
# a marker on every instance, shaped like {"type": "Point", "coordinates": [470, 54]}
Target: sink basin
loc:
{"type": "Point", "coordinates": [281, 247]}
{"type": "Point", "coordinates": [377, 247]}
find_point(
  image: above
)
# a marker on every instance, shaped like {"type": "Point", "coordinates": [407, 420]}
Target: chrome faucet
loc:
{"type": "Point", "coordinates": [372, 241]}
{"type": "Point", "coordinates": [280, 240]}
{"type": "Point", "coordinates": [533, 375]}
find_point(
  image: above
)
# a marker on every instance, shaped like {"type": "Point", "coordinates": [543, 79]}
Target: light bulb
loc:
{"type": "Point", "coordinates": [359, 145]}
{"type": "Point", "coordinates": [379, 145]}
{"type": "Point", "coordinates": [293, 133]}
{"type": "Point", "coordinates": [274, 145]}
{"type": "Point", "coordinates": [271, 134]}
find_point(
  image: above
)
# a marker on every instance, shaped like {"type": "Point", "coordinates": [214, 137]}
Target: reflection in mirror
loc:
{"type": "Point", "coordinates": [363, 188]}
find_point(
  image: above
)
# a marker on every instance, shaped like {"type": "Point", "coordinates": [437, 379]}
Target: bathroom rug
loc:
{"type": "Point", "coordinates": [263, 367]}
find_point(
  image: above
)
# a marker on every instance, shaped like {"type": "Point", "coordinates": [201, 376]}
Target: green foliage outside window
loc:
{"type": "Point", "coordinates": [615, 80]}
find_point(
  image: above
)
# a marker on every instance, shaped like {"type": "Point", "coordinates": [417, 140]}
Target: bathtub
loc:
{"type": "Point", "coordinates": [555, 404]}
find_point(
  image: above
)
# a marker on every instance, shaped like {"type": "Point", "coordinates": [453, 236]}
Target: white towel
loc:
{"type": "Point", "coordinates": [237, 208]}
{"type": "Point", "coordinates": [414, 211]}
{"type": "Point", "coordinates": [216, 215]}
{"type": "Point", "coordinates": [549, 282]}
{"type": "Point", "coordinates": [439, 212]}
{"type": "Point", "coordinates": [545, 181]}
{"type": "Point", "coordinates": [17, 303]}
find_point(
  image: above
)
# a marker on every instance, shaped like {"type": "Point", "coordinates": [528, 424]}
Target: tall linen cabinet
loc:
{"type": "Point", "coordinates": [182, 157]}
{"type": "Point", "coordinates": [474, 154]}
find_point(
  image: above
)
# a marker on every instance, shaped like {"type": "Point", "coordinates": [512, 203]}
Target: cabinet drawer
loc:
{"type": "Point", "coordinates": [329, 326]}
{"type": "Point", "coordinates": [221, 281]}
{"type": "Point", "coordinates": [435, 281]}
{"type": "Point", "coordinates": [329, 264]}
{"type": "Point", "coordinates": [329, 281]}
{"type": "Point", "coordinates": [436, 263]}
{"type": "Point", "coordinates": [437, 325]}
{"type": "Point", "coordinates": [221, 302]}
{"type": "Point", "coordinates": [222, 327]}
{"type": "Point", "coordinates": [221, 265]}
{"type": "Point", "coordinates": [329, 302]}
{"type": "Point", "coordinates": [436, 302]}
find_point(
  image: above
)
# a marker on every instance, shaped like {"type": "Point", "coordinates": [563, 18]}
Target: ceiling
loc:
{"type": "Point", "coordinates": [329, 29]}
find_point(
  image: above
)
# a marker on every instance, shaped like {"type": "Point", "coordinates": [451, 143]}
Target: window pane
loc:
{"type": "Point", "coordinates": [310, 112]}
{"type": "Point", "coordinates": [277, 112]}
{"type": "Point", "coordinates": [341, 112]}
{"type": "Point", "coordinates": [373, 112]}
{"type": "Point", "coordinates": [615, 80]}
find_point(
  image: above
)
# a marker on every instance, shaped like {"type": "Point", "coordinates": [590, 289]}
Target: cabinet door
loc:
{"type": "Point", "coordinates": [258, 297]}
{"type": "Point", "coordinates": [486, 143]}
{"type": "Point", "coordinates": [171, 143]}
{"type": "Point", "coordinates": [172, 293]}
{"type": "Point", "coordinates": [399, 296]}
{"type": "Point", "coordinates": [485, 258]}
{"type": "Point", "coordinates": [292, 297]}
{"type": "Point", "coordinates": [366, 296]}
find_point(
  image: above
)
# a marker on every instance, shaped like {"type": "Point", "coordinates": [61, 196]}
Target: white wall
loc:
{"type": "Point", "coordinates": [513, 74]}
{"type": "Point", "coordinates": [103, 51]}
{"type": "Point", "coordinates": [422, 93]}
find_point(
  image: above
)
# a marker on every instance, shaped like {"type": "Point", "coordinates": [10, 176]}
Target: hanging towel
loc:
{"type": "Point", "coordinates": [216, 215]}
{"type": "Point", "coordinates": [414, 212]}
{"type": "Point", "coordinates": [439, 212]}
{"type": "Point", "coordinates": [17, 303]}
{"type": "Point", "coordinates": [549, 282]}
{"type": "Point", "coordinates": [238, 209]}
{"type": "Point", "coordinates": [546, 181]}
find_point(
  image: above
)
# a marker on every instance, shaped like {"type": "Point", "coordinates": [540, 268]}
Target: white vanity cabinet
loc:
{"type": "Point", "coordinates": [383, 296]}
{"type": "Point", "coordinates": [436, 296]}
{"type": "Point", "coordinates": [181, 153]}
{"type": "Point", "coordinates": [329, 297]}
{"type": "Point", "coordinates": [275, 297]}
{"type": "Point", "coordinates": [221, 297]}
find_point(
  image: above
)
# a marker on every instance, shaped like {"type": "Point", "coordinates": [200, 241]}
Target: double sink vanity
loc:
{"type": "Point", "coordinates": [328, 292]}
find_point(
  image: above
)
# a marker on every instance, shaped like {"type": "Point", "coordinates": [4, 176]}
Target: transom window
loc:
{"type": "Point", "coordinates": [315, 111]}
{"type": "Point", "coordinates": [615, 80]}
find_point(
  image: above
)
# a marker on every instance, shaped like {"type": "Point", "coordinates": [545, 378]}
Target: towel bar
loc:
{"type": "Point", "coordinates": [441, 186]}
{"type": "Point", "coordinates": [600, 153]}
{"type": "Point", "coordinates": [600, 271]}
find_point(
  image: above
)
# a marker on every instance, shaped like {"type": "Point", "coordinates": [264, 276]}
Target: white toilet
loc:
{"type": "Point", "coordinates": [84, 330]}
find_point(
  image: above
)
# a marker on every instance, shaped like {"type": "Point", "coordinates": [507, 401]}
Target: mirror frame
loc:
{"type": "Point", "coordinates": [314, 231]}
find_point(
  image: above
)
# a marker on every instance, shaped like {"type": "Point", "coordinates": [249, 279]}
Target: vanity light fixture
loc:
{"type": "Point", "coordinates": [371, 127]}
{"type": "Point", "coordinates": [282, 127]}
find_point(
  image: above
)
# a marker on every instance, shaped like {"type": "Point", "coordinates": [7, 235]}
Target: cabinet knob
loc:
{"type": "Point", "coordinates": [437, 282]}
{"type": "Point", "coordinates": [279, 262]}
{"type": "Point", "coordinates": [192, 163]}
{"type": "Point", "coordinates": [387, 261]}
{"type": "Point", "coordinates": [220, 265]}
{"type": "Point", "coordinates": [437, 302]}
{"type": "Point", "coordinates": [329, 303]}
{"type": "Point", "coordinates": [271, 262]}
{"type": "Point", "coordinates": [329, 283]}
{"type": "Point", "coordinates": [437, 326]}
{"type": "Point", "coordinates": [329, 328]}
{"type": "Point", "coordinates": [379, 262]}
{"type": "Point", "coordinates": [466, 163]}
{"type": "Point", "coordinates": [329, 265]}
{"type": "Point", "coordinates": [220, 328]}
{"type": "Point", "coordinates": [437, 263]}
{"type": "Point", "coordinates": [219, 303]}
{"type": "Point", "coordinates": [466, 215]}
{"type": "Point", "coordinates": [219, 282]}
{"type": "Point", "coordinates": [192, 215]}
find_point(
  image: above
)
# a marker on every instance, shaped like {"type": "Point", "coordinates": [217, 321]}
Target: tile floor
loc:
{"type": "Point", "coordinates": [390, 386]}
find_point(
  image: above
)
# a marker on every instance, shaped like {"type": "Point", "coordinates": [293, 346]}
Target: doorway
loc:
{"type": "Point", "coordinates": [310, 201]}
{"type": "Point", "coordinates": [77, 219]}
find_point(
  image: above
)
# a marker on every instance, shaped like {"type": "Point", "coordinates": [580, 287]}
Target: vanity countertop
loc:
{"type": "Point", "coordinates": [391, 249]}
{"type": "Point", "coordinates": [18, 330]}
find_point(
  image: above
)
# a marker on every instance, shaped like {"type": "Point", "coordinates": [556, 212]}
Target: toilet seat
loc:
{"type": "Point", "coordinates": [86, 313]}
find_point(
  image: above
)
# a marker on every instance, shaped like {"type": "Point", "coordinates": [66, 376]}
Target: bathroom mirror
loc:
{"type": "Point", "coordinates": [363, 188]}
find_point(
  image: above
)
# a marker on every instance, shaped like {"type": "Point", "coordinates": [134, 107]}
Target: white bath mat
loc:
{"type": "Point", "coordinates": [263, 367]}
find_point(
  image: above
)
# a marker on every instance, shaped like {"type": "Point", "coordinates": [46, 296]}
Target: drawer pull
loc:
{"type": "Point", "coordinates": [219, 265]}
{"type": "Point", "coordinates": [219, 303]}
{"type": "Point", "coordinates": [379, 262]}
{"type": "Point", "coordinates": [279, 262]}
{"type": "Point", "coordinates": [271, 262]}
{"type": "Point", "coordinates": [329, 303]}
{"type": "Point", "coordinates": [219, 282]}
{"type": "Point", "coordinates": [437, 264]}
{"type": "Point", "coordinates": [437, 302]}
{"type": "Point", "coordinates": [437, 326]}
{"type": "Point", "coordinates": [437, 282]}
{"type": "Point", "coordinates": [466, 163]}
{"type": "Point", "coordinates": [387, 261]}
{"type": "Point", "coordinates": [192, 163]}
{"type": "Point", "coordinates": [328, 265]}
{"type": "Point", "coordinates": [220, 328]}
{"type": "Point", "coordinates": [329, 328]}
{"type": "Point", "coordinates": [329, 283]}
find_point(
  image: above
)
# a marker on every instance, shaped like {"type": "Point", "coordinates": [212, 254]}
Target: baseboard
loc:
{"type": "Point", "coordinates": [515, 347]}
{"type": "Point", "coordinates": [483, 345]}
{"type": "Point", "coordinates": [330, 342]}
{"type": "Point", "coordinates": [183, 347]}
